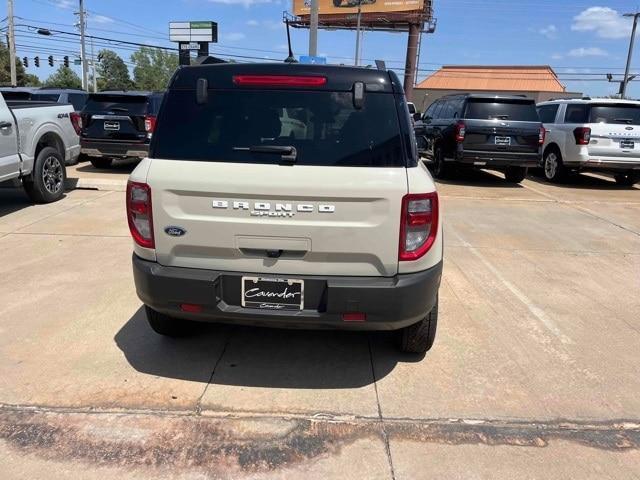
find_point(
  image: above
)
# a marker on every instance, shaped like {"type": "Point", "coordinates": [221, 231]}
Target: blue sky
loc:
{"type": "Point", "coordinates": [581, 39]}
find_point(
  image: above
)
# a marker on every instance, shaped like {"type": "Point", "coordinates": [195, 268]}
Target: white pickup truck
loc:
{"type": "Point", "coordinates": [36, 139]}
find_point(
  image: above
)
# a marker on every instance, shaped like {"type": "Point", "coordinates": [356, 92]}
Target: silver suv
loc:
{"type": "Point", "coordinates": [591, 134]}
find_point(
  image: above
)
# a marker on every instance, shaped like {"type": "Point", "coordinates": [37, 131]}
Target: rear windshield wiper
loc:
{"type": "Point", "coordinates": [623, 120]}
{"type": "Point", "coordinates": [118, 109]}
{"type": "Point", "coordinates": [287, 152]}
{"type": "Point", "coordinates": [498, 117]}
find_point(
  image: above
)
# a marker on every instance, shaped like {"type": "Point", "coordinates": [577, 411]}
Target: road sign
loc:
{"type": "Point", "coordinates": [77, 61]}
{"type": "Point", "coordinates": [313, 60]}
{"type": "Point", "coordinates": [204, 31]}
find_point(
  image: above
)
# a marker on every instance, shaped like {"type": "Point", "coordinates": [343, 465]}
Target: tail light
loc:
{"type": "Point", "coordinates": [582, 135]}
{"type": "Point", "coordinates": [140, 214]}
{"type": "Point", "coordinates": [76, 121]}
{"type": "Point", "coordinates": [279, 80]}
{"type": "Point", "coordinates": [418, 225]}
{"type": "Point", "coordinates": [461, 130]}
{"type": "Point", "coordinates": [149, 123]}
{"type": "Point", "coordinates": [542, 135]}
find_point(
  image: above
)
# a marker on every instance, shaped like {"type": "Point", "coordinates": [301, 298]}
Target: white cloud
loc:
{"type": "Point", "coordinates": [244, 3]}
{"type": "Point", "coordinates": [270, 24]}
{"type": "Point", "coordinates": [550, 31]}
{"type": "Point", "coordinates": [588, 52]}
{"type": "Point", "coordinates": [604, 21]}
{"type": "Point", "coordinates": [253, 23]}
{"type": "Point", "coordinates": [101, 19]}
{"type": "Point", "coordinates": [66, 4]}
{"type": "Point", "coordinates": [233, 36]}
{"type": "Point", "coordinates": [557, 56]}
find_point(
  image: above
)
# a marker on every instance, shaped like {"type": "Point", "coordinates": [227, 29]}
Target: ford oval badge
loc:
{"type": "Point", "coordinates": [175, 231]}
{"type": "Point", "coordinates": [629, 128]}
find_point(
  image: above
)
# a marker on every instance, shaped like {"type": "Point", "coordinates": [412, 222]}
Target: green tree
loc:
{"type": "Point", "coordinates": [5, 68]}
{"type": "Point", "coordinates": [153, 68]}
{"type": "Point", "coordinates": [112, 72]}
{"type": "Point", "coordinates": [64, 77]}
{"type": "Point", "coordinates": [31, 80]}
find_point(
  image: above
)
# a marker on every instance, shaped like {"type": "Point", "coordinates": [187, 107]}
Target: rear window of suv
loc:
{"type": "Point", "coordinates": [492, 109]}
{"type": "Point", "coordinates": [127, 104]}
{"type": "Point", "coordinates": [625, 114]}
{"type": "Point", "coordinates": [323, 126]}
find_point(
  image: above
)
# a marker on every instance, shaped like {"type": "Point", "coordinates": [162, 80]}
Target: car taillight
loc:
{"type": "Point", "coordinates": [461, 130]}
{"type": "Point", "coordinates": [140, 214]}
{"type": "Point", "coordinates": [418, 225]}
{"type": "Point", "coordinates": [76, 121]}
{"type": "Point", "coordinates": [149, 123]}
{"type": "Point", "coordinates": [279, 80]}
{"type": "Point", "coordinates": [582, 135]}
{"type": "Point", "coordinates": [542, 135]}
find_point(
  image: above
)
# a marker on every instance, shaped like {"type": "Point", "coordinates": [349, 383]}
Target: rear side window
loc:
{"type": "Point", "coordinates": [78, 101]}
{"type": "Point", "coordinates": [576, 113]}
{"type": "Point", "coordinates": [624, 114]}
{"type": "Point", "coordinates": [499, 109]}
{"type": "Point", "coordinates": [547, 113]}
{"type": "Point", "coordinates": [127, 104]}
{"type": "Point", "coordinates": [45, 97]}
{"type": "Point", "coordinates": [323, 127]}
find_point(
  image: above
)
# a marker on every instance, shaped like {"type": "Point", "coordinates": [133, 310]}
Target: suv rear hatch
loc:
{"type": "Point", "coordinates": [495, 124]}
{"type": "Point", "coordinates": [615, 130]}
{"type": "Point", "coordinates": [280, 179]}
{"type": "Point", "coordinates": [117, 118]}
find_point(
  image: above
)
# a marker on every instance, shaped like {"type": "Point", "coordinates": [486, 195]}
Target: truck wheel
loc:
{"type": "Point", "coordinates": [515, 174]}
{"type": "Point", "coordinates": [101, 162]}
{"type": "Point", "coordinates": [440, 168]}
{"type": "Point", "coordinates": [554, 170]}
{"type": "Point", "coordinates": [167, 326]}
{"type": "Point", "coordinates": [628, 180]}
{"type": "Point", "coordinates": [46, 183]}
{"type": "Point", "coordinates": [419, 337]}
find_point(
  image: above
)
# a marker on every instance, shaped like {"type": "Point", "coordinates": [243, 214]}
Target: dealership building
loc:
{"type": "Point", "coordinates": [538, 82]}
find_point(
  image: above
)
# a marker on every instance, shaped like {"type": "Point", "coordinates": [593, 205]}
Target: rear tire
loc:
{"type": "Point", "coordinates": [627, 180]}
{"type": "Point", "coordinates": [46, 183]}
{"type": "Point", "coordinates": [441, 169]}
{"type": "Point", "coordinates": [553, 168]}
{"type": "Point", "coordinates": [515, 174]}
{"type": "Point", "coordinates": [419, 337]}
{"type": "Point", "coordinates": [101, 162]}
{"type": "Point", "coordinates": [167, 326]}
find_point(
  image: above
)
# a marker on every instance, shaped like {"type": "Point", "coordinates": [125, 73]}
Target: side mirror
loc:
{"type": "Point", "coordinates": [417, 116]}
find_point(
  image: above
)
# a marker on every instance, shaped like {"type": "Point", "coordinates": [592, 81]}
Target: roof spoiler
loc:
{"type": "Point", "coordinates": [208, 60]}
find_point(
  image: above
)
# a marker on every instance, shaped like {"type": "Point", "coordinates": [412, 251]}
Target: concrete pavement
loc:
{"type": "Point", "coordinates": [534, 374]}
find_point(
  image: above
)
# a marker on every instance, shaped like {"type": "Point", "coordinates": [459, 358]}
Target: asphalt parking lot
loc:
{"type": "Point", "coordinates": [535, 372]}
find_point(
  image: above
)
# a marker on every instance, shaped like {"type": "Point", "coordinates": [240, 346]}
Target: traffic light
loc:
{"type": "Point", "coordinates": [66, 61]}
{"type": "Point", "coordinates": [25, 62]}
{"type": "Point", "coordinates": [36, 61]}
{"type": "Point", "coordinates": [50, 58]}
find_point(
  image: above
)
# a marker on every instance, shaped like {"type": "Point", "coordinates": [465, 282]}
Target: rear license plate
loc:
{"type": "Point", "coordinates": [627, 144]}
{"type": "Point", "coordinates": [272, 293]}
{"type": "Point", "coordinates": [503, 140]}
{"type": "Point", "coordinates": [112, 125]}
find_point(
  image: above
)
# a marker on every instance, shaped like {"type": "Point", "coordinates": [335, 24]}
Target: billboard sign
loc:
{"type": "Point", "coordinates": [342, 7]}
{"type": "Point", "coordinates": [204, 31]}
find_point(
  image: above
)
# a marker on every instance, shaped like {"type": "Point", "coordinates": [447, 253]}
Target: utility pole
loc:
{"type": "Point", "coordinates": [357, 62]}
{"type": "Point", "coordinates": [412, 59]}
{"type": "Point", "coordinates": [313, 29]}
{"type": "Point", "coordinates": [83, 56]}
{"type": "Point", "coordinates": [625, 82]}
{"type": "Point", "coordinates": [12, 43]}
{"type": "Point", "coordinates": [93, 69]}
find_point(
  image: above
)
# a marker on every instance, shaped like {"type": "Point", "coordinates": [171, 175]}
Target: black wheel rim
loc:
{"type": "Point", "coordinates": [52, 175]}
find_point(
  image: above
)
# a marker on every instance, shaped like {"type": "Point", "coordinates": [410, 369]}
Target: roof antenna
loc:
{"type": "Point", "coordinates": [290, 58]}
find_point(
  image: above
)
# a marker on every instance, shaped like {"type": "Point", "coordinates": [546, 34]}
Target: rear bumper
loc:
{"type": "Point", "coordinates": [498, 159]}
{"type": "Point", "coordinates": [608, 163]}
{"type": "Point", "coordinates": [114, 149]}
{"type": "Point", "coordinates": [390, 303]}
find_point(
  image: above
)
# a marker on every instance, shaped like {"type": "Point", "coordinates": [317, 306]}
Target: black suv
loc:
{"type": "Point", "coordinates": [483, 131]}
{"type": "Point", "coordinates": [118, 125]}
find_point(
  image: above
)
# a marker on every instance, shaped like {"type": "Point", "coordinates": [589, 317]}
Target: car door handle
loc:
{"type": "Point", "coordinates": [4, 125]}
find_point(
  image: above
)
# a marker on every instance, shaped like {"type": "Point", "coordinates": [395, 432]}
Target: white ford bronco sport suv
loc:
{"type": "Point", "coordinates": [239, 219]}
{"type": "Point", "coordinates": [591, 134]}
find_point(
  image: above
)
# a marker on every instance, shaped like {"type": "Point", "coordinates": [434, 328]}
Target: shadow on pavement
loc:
{"type": "Point", "coordinates": [260, 357]}
{"type": "Point", "coordinates": [13, 199]}
{"type": "Point", "coordinates": [118, 166]}
{"type": "Point", "coordinates": [478, 178]}
{"type": "Point", "coordinates": [585, 181]}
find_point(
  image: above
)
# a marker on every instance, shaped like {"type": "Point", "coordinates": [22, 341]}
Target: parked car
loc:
{"type": "Point", "coordinates": [592, 134]}
{"type": "Point", "coordinates": [17, 93]}
{"type": "Point", "coordinates": [118, 124]}
{"type": "Point", "coordinates": [483, 131]}
{"type": "Point", "coordinates": [234, 220]}
{"type": "Point", "coordinates": [74, 96]}
{"type": "Point", "coordinates": [36, 140]}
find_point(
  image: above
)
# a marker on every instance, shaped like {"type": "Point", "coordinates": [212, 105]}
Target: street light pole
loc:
{"type": "Point", "coordinates": [313, 29]}
{"type": "Point", "coordinates": [12, 43]}
{"type": "Point", "coordinates": [83, 51]}
{"type": "Point", "coordinates": [357, 62]}
{"type": "Point", "coordinates": [625, 82]}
